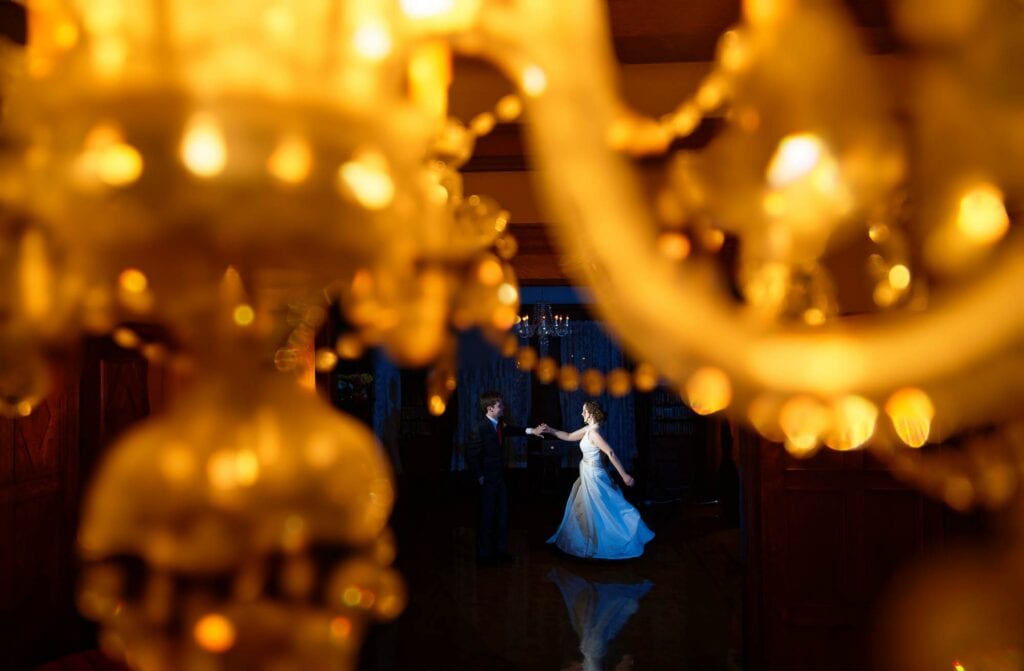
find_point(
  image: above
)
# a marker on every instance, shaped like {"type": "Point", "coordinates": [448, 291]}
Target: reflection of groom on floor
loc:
{"type": "Point", "coordinates": [486, 459]}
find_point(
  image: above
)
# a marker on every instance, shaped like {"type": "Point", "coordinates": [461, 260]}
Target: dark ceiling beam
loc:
{"type": "Point", "coordinates": [13, 22]}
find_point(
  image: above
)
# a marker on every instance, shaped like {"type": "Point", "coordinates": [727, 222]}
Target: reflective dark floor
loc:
{"type": "Point", "coordinates": [676, 607]}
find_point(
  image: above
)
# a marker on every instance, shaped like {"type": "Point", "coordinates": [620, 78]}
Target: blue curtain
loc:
{"type": "Point", "coordinates": [482, 368]}
{"type": "Point", "coordinates": [387, 406]}
{"type": "Point", "coordinates": [588, 346]}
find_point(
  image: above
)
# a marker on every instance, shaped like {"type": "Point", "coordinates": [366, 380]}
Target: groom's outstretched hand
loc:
{"type": "Point", "coordinates": [628, 479]}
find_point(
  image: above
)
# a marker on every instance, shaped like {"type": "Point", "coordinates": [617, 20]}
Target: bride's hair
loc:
{"type": "Point", "coordinates": [595, 410]}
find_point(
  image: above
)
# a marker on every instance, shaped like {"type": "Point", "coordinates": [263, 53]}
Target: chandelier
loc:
{"type": "Point", "coordinates": [544, 325]}
{"type": "Point", "coordinates": [872, 299]}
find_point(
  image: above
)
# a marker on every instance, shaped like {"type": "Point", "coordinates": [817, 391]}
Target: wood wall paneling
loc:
{"type": "Point", "coordinates": [38, 497]}
{"type": "Point", "coordinates": [832, 530]}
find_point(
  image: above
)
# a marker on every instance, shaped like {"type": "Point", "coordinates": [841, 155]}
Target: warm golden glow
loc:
{"type": "Point", "coordinates": [763, 414]}
{"type": "Point", "coordinates": [372, 40]}
{"type": "Point", "coordinates": [982, 215]}
{"type": "Point", "coordinates": [803, 419]}
{"type": "Point", "coordinates": [911, 412]}
{"type": "Point", "coordinates": [527, 358]}
{"type": "Point", "coordinates": [708, 390]}
{"type": "Point", "coordinates": [351, 596]}
{"type": "Point", "coordinates": [814, 316]}
{"type": "Point", "coordinates": [490, 273]}
{"type": "Point", "coordinates": [113, 161]}
{"type": "Point", "coordinates": [203, 149]}
{"type": "Point", "coordinates": [177, 463]}
{"type": "Point", "coordinates": [243, 315]}
{"type": "Point", "coordinates": [646, 377]}
{"type": "Point", "coordinates": [592, 382]}
{"type": "Point", "coordinates": [899, 277]}
{"type": "Point", "coordinates": [853, 423]}
{"type": "Point", "coordinates": [569, 378]}
{"type": "Point", "coordinates": [310, 143]}
{"type": "Point", "coordinates": [367, 179]}
{"type": "Point", "coordinates": [228, 469]}
{"type": "Point", "coordinates": [291, 160]}
{"type": "Point", "coordinates": [35, 278]}
{"type": "Point", "coordinates": [795, 158]}
{"type": "Point", "coordinates": [326, 360]}
{"type": "Point", "coordinates": [421, 9]}
{"type": "Point", "coordinates": [508, 294]}
{"type": "Point", "coordinates": [349, 346]}
{"type": "Point", "coordinates": [133, 280]}
{"type": "Point", "coordinates": [214, 633]}
{"type": "Point", "coordinates": [534, 81]}
{"type": "Point", "coordinates": [437, 405]}
{"type": "Point", "coordinates": [675, 246]}
{"type": "Point", "coordinates": [509, 108]}
{"type": "Point", "coordinates": [125, 338]}
{"type": "Point", "coordinates": [341, 628]}
{"type": "Point", "coordinates": [619, 382]}
{"type": "Point", "coordinates": [430, 74]}
{"type": "Point", "coordinates": [546, 370]}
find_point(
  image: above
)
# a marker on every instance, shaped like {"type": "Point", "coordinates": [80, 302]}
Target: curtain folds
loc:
{"type": "Point", "coordinates": [387, 406]}
{"type": "Point", "coordinates": [588, 346]}
{"type": "Point", "coordinates": [482, 368]}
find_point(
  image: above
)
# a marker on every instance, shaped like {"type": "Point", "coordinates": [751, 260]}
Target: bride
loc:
{"type": "Point", "coordinates": [598, 522]}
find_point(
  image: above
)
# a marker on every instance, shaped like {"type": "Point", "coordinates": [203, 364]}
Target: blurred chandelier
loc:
{"type": "Point", "coordinates": [151, 145]}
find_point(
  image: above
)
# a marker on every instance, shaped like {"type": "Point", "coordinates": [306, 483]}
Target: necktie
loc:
{"type": "Point", "coordinates": [500, 437]}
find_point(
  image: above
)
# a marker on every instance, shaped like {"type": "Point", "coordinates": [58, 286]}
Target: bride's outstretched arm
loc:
{"type": "Point", "coordinates": [603, 445]}
{"type": "Point", "coordinates": [562, 435]}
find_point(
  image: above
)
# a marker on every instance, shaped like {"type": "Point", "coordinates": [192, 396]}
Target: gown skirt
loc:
{"type": "Point", "coordinates": [599, 523]}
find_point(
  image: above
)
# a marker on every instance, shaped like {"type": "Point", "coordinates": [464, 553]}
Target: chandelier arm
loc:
{"type": "Point", "coordinates": [600, 218]}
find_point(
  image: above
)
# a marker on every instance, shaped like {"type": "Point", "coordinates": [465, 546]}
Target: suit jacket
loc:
{"type": "Point", "coordinates": [484, 456]}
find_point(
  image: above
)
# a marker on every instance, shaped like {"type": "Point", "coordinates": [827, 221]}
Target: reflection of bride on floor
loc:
{"type": "Point", "coordinates": [599, 523]}
{"type": "Point", "coordinates": [598, 612]}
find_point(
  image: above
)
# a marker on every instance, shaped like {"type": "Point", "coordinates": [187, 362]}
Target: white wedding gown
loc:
{"type": "Point", "coordinates": [598, 522]}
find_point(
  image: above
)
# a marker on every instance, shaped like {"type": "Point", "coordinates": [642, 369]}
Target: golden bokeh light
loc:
{"type": "Point", "coordinates": [243, 315]}
{"type": "Point", "coordinates": [645, 377]}
{"type": "Point", "coordinates": [619, 382]}
{"type": "Point", "coordinates": [675, 246]}
{"type": "Point", "coordinates": [203, 148]}
{"type": "Point", "coordinates": [421, 9]}
{"type": "Point", "coordinates": [292, 160]}
{"type": "Point", "coordinates": [326, 360]}
{"type": "Point", "coordinates": [982, 215]}
{"type": "Point", "coordinates": [489, 272]}
{"type": "Point", "coordinates": [569, 378]}
{"type": "Point", "coordinates": [533, 81]}
{"type": "Point", "coordinates": [853, 423]}
{"type": "Point", "coordinates": [526, 358]}
{"type": "Point", "coordinates": [911, 412]}
{"type": "Point", "coordinates": [592, 382]}
{"type": "Point", "coordinates": [367, 179]}
{"type": "Point", "coordinates": [796, 157]}
{"type": "Point", "coordinates": [126, 338]}
{"type": "Point", "coordinates": [899, 277]}
{"type": "Point", "coordinates": [349, 346]}
{"type": "Point", "coordinates": [547, 370]}
{"type": "Point", "coordinates": [372, 40]}
{"type": "Point", "coordinates": [708, 390]}
{"type": "Point", "coordinates": [133, 281]}
{"type": "Point", "coordinates": [803, 420]}
{"type": "Point", "coordinates": [214, 633]}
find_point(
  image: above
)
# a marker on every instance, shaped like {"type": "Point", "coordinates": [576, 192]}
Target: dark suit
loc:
{"type": "Point", "coordinates": [486, 458]}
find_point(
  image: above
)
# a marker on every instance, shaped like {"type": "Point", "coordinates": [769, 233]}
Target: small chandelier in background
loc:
{"type": "Point", "coordinates": [544, 325]}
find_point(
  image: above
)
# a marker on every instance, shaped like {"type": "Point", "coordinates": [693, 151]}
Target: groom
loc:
{"type": "Point", "coordinates": [485, 456]}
